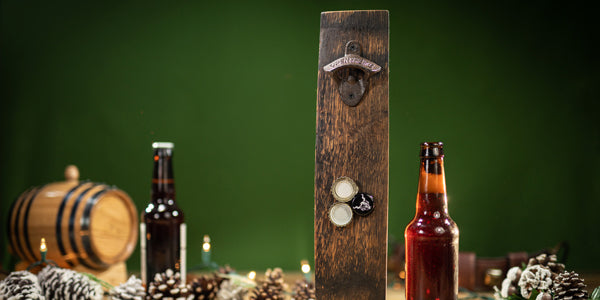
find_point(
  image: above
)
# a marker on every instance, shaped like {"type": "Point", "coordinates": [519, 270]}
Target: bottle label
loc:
{"type": "Point", "coordinates": [143, 251]}
{"type": "Point", "coordinates": [182, 251]}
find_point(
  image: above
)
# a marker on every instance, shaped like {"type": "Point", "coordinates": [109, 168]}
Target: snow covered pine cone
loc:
{"type": "Point", "coordinates": [569, 286]}
{"type": "Point", "coordinates": [304, 290]}
{"type": "Point", "coordinates": [535, 277]}
{"type": "Point", "coordinates": [548, 261]}
{"type": "Point", "coordinates": [59, 283]}
{"type": "Point", "coordinates": [231, 291]}
{"type": "Point", "coordinates": [205, 288]}
{"type": "Point", "coordinates": [226, 270]}
{"type": "Point", "coordinates": [271, 288]}
{"type": "Point", "coordinates": [21, 285]}
{"type": "Point", "coordinates": [510, 283]}
{"type": "Point", "coordinates": [168, 286]}
{"type": "Point", "coordinates": [132, 289]}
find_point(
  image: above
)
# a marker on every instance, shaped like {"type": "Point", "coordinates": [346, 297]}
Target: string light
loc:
{"type": "Point", "coordinates": [43, 253]}
{"type": "Point", "coordinates": [206, 252]}
{"type": "Point", "coordinates": [251, 275]}
{"type": "Point", "coordinates": [305, 267]}
{"type": "Point", "coordinates": [43, 245]}
{"type": "Point", "coordinates": [206, 244]}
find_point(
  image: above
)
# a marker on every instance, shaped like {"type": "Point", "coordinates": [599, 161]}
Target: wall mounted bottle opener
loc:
{"type": "Point", "coordinates": [352, 73]}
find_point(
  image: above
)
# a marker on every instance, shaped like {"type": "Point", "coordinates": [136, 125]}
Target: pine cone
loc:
{"type": "Point", "coordinates": [226, 270]}
{"type": "Point", "coordinates": [21, 285]}
{"type": "Point", "coordinates": [168, 285]}
{"type": "Point", "coordinates": [569, 286]}
{"type": "Point", "coordinates": [510, 283]}
{"type": "Point", "coordinates": [58, 283]}
{"type": "Point", "coordinates": [223, 270]}
{"type": "Point", "coordinates": [304, 290]}
{"type": "Point", "coordinates": [548, 261]}
{"type": "Point", "coordinates": [535, 277]}
{"type": "Point", "coordinates": [205, 288]}
{"type": "Point", "coordinates": [231, 291]}
{"type": "Point", "coordinates": [132, 289]}
{"type": "Point", "coordinates": [271, 288]}
{"type": "Point", "coordinates": [544, 296]}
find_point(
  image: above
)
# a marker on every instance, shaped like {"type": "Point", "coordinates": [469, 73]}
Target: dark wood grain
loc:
{"type": "Point", "coordinates": [350, 262]}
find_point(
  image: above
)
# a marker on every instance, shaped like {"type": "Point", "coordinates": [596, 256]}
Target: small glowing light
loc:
{"type": "Point", "coordinates": [402, 275]}
{"type": "Point", "coordinates": [155, 157]}
{"type": "Point", "coordinates": [251, 275]}
{"type": "Point", "coordinates": [43, 245]}
{"type": "Point", "coordinates": [305, 267]}
{"type": "Point", "coordinates": [206, 244]}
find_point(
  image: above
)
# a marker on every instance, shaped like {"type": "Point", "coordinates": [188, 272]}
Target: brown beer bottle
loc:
{"type": "Point", "coordinates": [163, 231]}
{"type": "Point", "coordinates": [432, 236]}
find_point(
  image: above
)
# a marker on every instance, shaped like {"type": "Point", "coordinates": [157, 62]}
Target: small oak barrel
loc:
{"type": "Point", "coordinates": [83, 222]}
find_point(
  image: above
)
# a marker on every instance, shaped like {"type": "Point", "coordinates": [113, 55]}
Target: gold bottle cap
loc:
{"type": "Point", "coordinates": [344, 189]}
{"type": "Point", "coordinates": [340, 214]}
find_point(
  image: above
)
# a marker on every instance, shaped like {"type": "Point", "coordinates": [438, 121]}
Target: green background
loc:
{"type": "Point", "coordinates": [512, 89]}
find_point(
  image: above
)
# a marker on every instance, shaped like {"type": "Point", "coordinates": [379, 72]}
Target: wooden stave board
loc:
{"type": "Point", "coordinates": [351, 262]}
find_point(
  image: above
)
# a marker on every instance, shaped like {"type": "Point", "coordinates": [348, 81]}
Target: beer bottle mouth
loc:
{"type": "Point", "coordinates": [163, 145]}
{"type": "Point", "coordinates": [432, 149]}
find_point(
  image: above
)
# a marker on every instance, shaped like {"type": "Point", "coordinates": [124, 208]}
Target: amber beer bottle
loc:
{"type": "Point", "coordinates": [432, 236]}
{"type": "Point", "coordinates": [163, 231]}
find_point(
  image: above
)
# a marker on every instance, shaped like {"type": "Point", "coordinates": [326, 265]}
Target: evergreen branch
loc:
{"type": "Point", "coordinates": [103, 283]}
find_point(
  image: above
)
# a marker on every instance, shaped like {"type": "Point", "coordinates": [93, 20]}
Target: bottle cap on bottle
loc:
{"type": "Point", "coordinates": [362, 204]}
{"type": "Point", "coordinates": [163, 145]}
{"type": "Point", "coordinates": [432, 149]}
{"type": "Point", "coordinates": [344, 189]}
{"type": "Point", "coordinates": [340, 214]}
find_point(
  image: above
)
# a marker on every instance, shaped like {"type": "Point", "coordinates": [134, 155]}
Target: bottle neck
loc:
{"type": "Point", "coordinates": [432, 186]}
{"type": "Point", "coordinates": [163, 182]}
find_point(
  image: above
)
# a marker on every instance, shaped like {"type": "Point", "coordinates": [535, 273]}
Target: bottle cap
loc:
{"type": "Point", "coordinates": [362, 204]}
{"type": "Point", "coordinates": [166, 145]}
{"type": "Point", "coordinates": [432, 149]}
{"type": "Point", "coordinates": [343, 189]}
{"type": "Point", "coordinates": [340, 214]}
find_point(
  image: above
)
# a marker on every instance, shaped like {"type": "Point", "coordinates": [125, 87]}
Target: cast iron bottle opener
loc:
{"type": "Point", "coordinates": [352, 73]}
